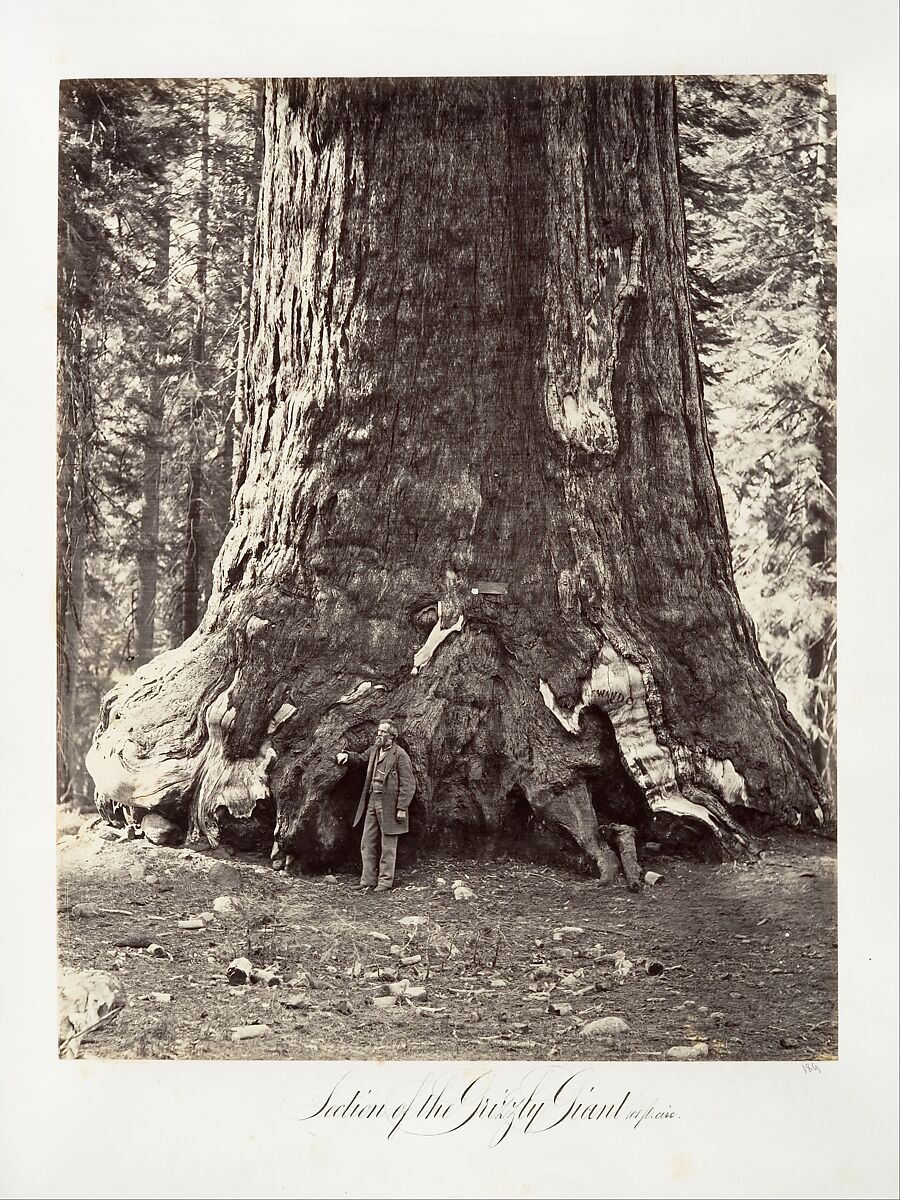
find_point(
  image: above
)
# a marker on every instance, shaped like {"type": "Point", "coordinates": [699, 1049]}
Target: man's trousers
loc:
{"type": "Point", "coordinates": [379, 849]}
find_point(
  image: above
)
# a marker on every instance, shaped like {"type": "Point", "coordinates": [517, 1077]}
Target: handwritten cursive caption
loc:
{"type": "Point", "coordinates": [443, 1103]}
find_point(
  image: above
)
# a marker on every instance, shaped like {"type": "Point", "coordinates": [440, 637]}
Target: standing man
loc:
{"type": "Point", "coordinates": [386, 796]}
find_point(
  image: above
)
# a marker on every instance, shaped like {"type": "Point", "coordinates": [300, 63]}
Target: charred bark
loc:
{"type": "Point", "coordinates": [475, 495]}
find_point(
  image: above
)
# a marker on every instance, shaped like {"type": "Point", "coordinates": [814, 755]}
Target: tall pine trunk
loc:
{"type": "Point", "coordinates": [148, 535]}
{"type": "Point", "coordinates": [195, 547]}
{"type": "Point", "coordinates": [476, 493]}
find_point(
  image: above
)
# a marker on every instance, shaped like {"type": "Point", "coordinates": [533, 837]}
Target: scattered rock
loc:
{"type": "Point", "coordinates": [151, 879]}
{"type": "Point", "coordinates": [701, 1008]}
{"type": "Point", "coordinates": [371, 976]}
{"type": "Point", "coordinates": [788, 1043]}
{"type": "Point", "coordinates": [67, 822]}
{"type": "Point", "coordinates": [108, 833]}
{"type": "Point", "coordinates": [223, 904]}
{"type": "Point", "coordinates": [206, 917]}
{"type": "Point", "coordinates": [239, 971]}
{"type": "Point", "coordinates": [396, 950]}
{"type": "Point", "coordinates": [159, 830]}
{"type": "Point", "coordinates": [155, 950]}
{"type": "Point", "coordinates": [388, 973]}
{"type": "Point", "coordinates": [85, 998]}
{"type": "Point", "coordinates": [565, 931]}
{"type": "Point", "coordinates": [296, 1000]}
{"type": "Point", "coordinates": [653, 877]}
{"type": "Point", "coordinates": [559, 1010]}
{"type": "Point", "coordinates": [412, 922]}
{"type": "Point", "coordinates": [717, 1018]}
{"type": "Point", "coordinates": [573, 980]}
{"type": "Point", "coordinates": [384, 1001]}
{"type": "Point", "coordinates": [267, 975]}
{"type": "Point", "coordinates": [342, 1005]}
{"type": "Point", "coordinates": [379, 937]}
{"type": "Point", "coordinates": [410, 960]}
{"type": "Point", "coordinates": [461, 892]}
{"type": "Point", "coordinates": [192, 923]}
{"type": "Point", "coordinates": [85, 910]}
{"type": "Point", "coordinates": [160, 997]}
{"type": "Point", "coordinates": [605, 1025]}
{"type": "Point", "coordinates": [136, 873]}
{"type": "Point", "coordinates": [562, 951]}
{"type": "Point", "coordinates": [416, 992]}
{"type": "Point", "coordinates": [544, 971]}
{"type": "Point", "coordinates": [224, 875]}
{"type": "Point", "coordinates": [243, 1033]}
{"type": "Point", "coordinates": [399, 988]}
{"type": "Point", "coordinates": [688, 1053]}
{"type": "Point", "coordinates": [135, 938]}
{"type": "Point", "coordinates": [329, 879]}
{"type": "Point", "coordinates": [301, 979]}
{"type": "Point", "coordinates": [440, 881]}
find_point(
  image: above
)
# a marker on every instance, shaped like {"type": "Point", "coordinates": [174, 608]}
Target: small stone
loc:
{"type": "Point", "coordinates": [544, 971]}
{"type": "Point", "coordinates": [388, 973]}
{"type": "Point", "coordinates": [701, 1008]}
{"type": "Point", "coordinates": [499, 983]}
{"type": "Point", "coordinates": [560, 1010]}
{"type": "Point", "coordinates": [161, 997]}
{"type": "Point", "coordinates": [239, 971]}
{"type": "Point", "coordinates": [159, 830]}
{"type": "Point", "coordinates": [151, 879]}
{"type": "Point", "coordinates": [223, 905]}
{"type": "Point", "coordinates": [416, 993]}
{"type": "Point", "coordinates": [329, 879]}
{"type": "Point", "coordinates": [396, 950]}
{"type": "Point", "coordinates": [399, 988]}
{"type": "Point", "coordinates": [136, 873]}
{"type": "Point", "coordinates": [108, 833]}
{"type": "Point", "coordinates": [135, 938]}
{"type": "Point", "coordinates": [688, 1053]}
{"type": "Point", "coordinates": [370, 976]}
{"type": "Point", "coordinates": [296, 1000]}
{"type": "Point", "coordinates": [266, 975]}
{"type": "Point", "coordinates": [155, 950]}
{"type": "Point", "coordinates": [192, 923]}
{"type": "Point", "coordinates": [85, 910]}
{"type": "Point", "coordinates": [412, 922]}
{"type": "Point", "coordinates": [788, 1043]}
{"type": "Point", "coordinates": [605, 1025]}
{"type": "Point", "coordinates": [342, 1006]}
{"type": "Point", "coordinates": [225, 876]}
{"type": "Point", "coordinates": [206, 917]}
{"type": "Point", "coordinates": [463, 893]}
{"type": "Point", "coordinates": [566, 931]}
{"type": "Point", "coordinates": [653, 877]}
{"type": "Point", "coordinates": [410, 960]}
{"type": "Point", "coordinates": [379, 937]}
{"type": "Point", "coordinates": [440, 881]}
{"type": "Point", "coordinates": [244, 1033]}
{"type": "Point", "coordinates": [384, 1001]}
{"type": "Point", "coordinates": [717, 1018]}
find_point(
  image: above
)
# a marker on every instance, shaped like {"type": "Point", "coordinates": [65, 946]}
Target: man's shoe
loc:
{"type": "Point", "coordinates": [380, 888]}
{"type": "Point", "coordinates": [362, 887]}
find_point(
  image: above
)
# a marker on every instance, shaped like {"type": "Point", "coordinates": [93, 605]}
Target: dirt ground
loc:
{"type": "Point", "coordinates": [747, 957]}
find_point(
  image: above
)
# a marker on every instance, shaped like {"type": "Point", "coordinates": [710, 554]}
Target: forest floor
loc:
{"type": "Point", "coordinates": [748, 957]}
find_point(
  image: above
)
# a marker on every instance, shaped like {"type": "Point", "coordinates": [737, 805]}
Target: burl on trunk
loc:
{"type": "Point", "coordinates": [476, 494]}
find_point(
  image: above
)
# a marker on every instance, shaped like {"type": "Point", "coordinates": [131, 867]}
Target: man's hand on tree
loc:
{"type": "Point", "coordinates": [341, 757]}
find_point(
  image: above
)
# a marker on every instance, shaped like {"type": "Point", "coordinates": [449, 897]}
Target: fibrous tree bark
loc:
{"type": "Point", "coordinates": [475, 494]}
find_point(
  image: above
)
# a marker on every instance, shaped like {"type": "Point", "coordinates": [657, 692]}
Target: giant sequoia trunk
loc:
{"type": "Point", "coordinates": [476, 494]}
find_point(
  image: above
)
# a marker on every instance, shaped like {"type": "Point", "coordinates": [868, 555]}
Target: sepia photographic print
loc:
{"type": "Point", "coordinates": [446, 568]}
